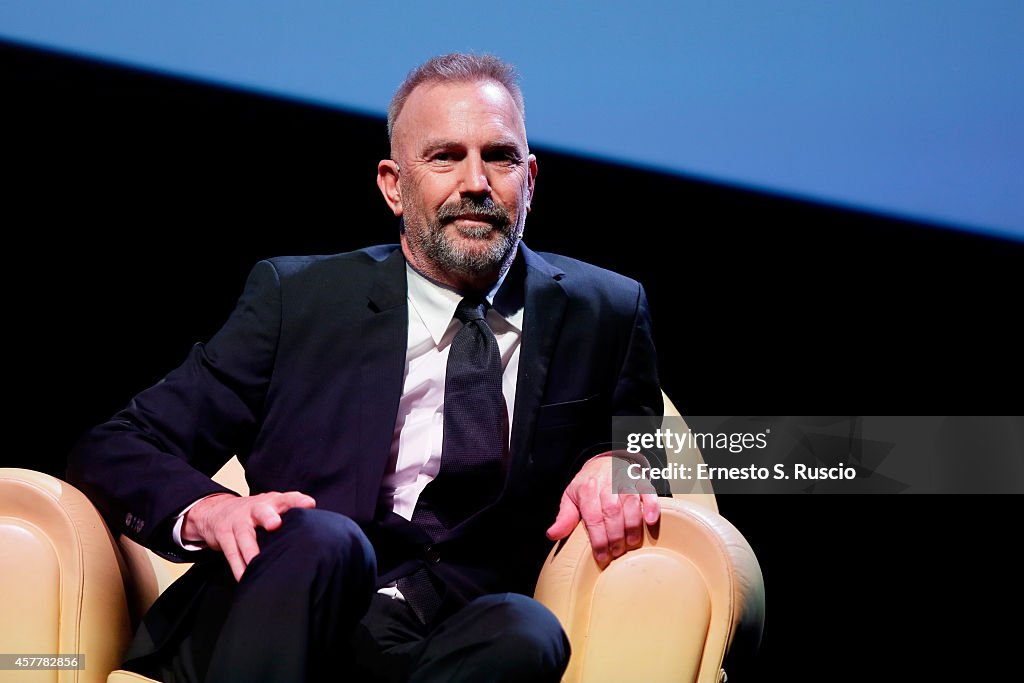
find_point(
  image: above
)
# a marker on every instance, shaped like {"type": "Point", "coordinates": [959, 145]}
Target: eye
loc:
{"type": "Point", "coordinates": [507, 157]}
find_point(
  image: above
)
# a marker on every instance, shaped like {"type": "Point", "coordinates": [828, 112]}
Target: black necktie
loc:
{"type": "Point", "coordinates": [472, 453]}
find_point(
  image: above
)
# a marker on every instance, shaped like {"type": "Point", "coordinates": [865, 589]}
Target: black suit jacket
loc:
{"type": "Point", "coordinates": [303, 383]}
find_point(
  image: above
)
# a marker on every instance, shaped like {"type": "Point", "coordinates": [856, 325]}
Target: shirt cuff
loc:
{"type": "Point", "coordinates": [179, 521]}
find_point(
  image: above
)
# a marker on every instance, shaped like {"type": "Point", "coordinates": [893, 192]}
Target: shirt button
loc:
{"type": "Point", "coordinates": [431, 554]}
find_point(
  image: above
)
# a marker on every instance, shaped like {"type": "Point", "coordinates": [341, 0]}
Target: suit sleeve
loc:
{"type": "Point", "coordinates": [633, 385]}
{"type": "Point", "coordinates": [638, 391]}
{"type": "Point", "coordinates": [156, 456]}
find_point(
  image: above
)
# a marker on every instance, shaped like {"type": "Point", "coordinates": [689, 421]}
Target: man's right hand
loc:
{"type": "Point", "coordinates": [228, 523]}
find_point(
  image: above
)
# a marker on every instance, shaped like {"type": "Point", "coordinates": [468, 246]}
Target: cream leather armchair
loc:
{"type": "Point", "coordinates": [668, 611]}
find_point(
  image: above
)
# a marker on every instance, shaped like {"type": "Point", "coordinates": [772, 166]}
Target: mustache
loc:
{"type": "Point", "coordinates": [484, 208]}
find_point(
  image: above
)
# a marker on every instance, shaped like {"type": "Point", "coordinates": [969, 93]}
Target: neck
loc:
{"type": "Point", "coordinates": [461, 282]}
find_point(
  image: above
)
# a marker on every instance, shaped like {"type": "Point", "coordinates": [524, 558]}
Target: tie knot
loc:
{"type": "Point", "coordinates": [471, 308]}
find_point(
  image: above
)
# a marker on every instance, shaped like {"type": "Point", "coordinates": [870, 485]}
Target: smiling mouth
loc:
{"type": "Point", "coordinates": [473, 228]}
{"type": "Point", "coordinates": [474, 218]}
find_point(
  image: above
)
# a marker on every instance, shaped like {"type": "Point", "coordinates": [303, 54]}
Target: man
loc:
{"type": "Point", "coordinates": [417, 423]}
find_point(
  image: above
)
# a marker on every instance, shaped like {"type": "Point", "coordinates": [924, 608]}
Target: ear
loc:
{"type": "Point", "coordinates": [387, 181]}
{"type": "Point", "coordinates": [532, 182]}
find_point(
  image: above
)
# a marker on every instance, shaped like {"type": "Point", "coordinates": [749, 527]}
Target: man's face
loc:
{"type": "Point", "coordinates": [465, 180]}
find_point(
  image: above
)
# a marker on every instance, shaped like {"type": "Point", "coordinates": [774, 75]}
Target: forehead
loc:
{"type": "Point", "coordinates": [464, 111]}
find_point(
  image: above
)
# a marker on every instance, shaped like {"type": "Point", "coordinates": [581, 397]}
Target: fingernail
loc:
{"type": "Point", "coordinates": [602, 558]}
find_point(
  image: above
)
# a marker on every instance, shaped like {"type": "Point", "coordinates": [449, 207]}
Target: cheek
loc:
{"type": "Point", "coordinates": [431, 191]}
{"type": "Point", "coordinates": [514, 193]}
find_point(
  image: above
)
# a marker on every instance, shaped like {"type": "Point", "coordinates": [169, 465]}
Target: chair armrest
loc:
{"type": "Point", "coordinates": [667, 611]}
{"type": "Point", "coordinates": [62, 582]}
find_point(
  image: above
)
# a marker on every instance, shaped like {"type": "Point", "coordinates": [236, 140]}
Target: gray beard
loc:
{"type": "Point", "coordinates": [434, 244]}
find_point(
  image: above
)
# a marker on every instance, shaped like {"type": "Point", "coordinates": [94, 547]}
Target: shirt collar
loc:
{"type": "Point", "coordinates": [436, 303]}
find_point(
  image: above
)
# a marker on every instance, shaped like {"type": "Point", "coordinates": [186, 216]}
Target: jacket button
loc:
{"type": "Point", "coordinates": [431, 554]}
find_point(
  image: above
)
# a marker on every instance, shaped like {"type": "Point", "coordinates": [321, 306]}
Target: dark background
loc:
{"type": "Point", "coordinates": [134, 205]}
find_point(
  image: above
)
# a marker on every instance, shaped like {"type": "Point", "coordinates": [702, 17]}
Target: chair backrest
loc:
{"type": "Point", "coordinates": [61, 582]}
{"type": "Point", "coordinates": [699, 492]}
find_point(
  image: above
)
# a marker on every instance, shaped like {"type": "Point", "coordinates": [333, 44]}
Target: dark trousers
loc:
{"type": "Point", "coordinates": [306, 610]}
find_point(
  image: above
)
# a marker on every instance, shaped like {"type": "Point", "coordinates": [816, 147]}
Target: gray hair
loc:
{"type": "Point", "coordinates": [457, 67]}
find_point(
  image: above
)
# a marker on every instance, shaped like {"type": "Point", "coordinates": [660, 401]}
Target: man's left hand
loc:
{"type": "Point", "coordinates": [614, 521]}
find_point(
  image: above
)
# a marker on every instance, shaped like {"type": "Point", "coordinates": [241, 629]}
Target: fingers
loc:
{"type": "Point", "coordinates": [267, 508]}
{"type": "Point", "coordinates": [229, 546]}
{"type": "Point", "coordinates": [292, 499]}
{"type": "Point", "coordinates": [566, 520]}
{"type": "Point", "coordinates": [236, 538]}
{"type": "Point", "coordinates": [623, 525]}
{"type": "Point", "coordinates": [633, 521]}
{"type": "Point", "coordinates": [614, 520]}
{"type": "Point", "coordinates": [229, 523]}
{"type": "Point", "coordinates": [649, 500]}
{"type": "Point", "coordinates": [266, 515]}
{"type": "Point", "coordinates": [591, 511]}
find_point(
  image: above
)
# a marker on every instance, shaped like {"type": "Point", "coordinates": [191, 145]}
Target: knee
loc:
{"type": "Point", "coordinates": [318, 539]}
{"type": "Point", "coordinates": [531, 636]}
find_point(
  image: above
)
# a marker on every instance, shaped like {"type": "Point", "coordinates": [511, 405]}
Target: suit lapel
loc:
{"type": "Point", "coordinates": [381, 368]}
{"type": "Point", "coordinates": [545, 303]}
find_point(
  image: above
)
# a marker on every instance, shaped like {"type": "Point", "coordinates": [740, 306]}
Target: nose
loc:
{"type": "Point", "coordinates": [474, 176]}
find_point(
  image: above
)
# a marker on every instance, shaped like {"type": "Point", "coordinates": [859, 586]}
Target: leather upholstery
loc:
{"type": "Point", "coordinates": [128, 677]}
{"type": "Point", "coordinates": [62, 582]}
{"type": "Point", "coordinates": [695, 582]}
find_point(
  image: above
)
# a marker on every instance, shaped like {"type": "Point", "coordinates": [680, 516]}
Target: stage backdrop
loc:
{"type": "Point", "coordinates": [914, 108]}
